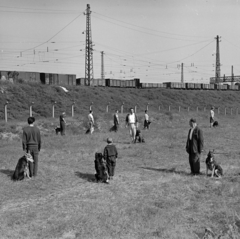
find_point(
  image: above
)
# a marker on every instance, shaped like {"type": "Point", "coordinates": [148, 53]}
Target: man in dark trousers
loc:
{"type": "Point", "coordinates": [116, 121]}
{"type": "Point", "coordinates": [62, 123]}
{"type": "Point", "coordinates": [110, 154]}
{"type": "Point", "coordinates": [194, 146]}
{"type": "Point", "coordinates": [31, 142]}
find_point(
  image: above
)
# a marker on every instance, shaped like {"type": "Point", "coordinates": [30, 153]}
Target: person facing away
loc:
{"type": "Point", "coordinates": [116, 121]}
{"type": "Point", "coordinates": [31, 142]}
{"type": "Point", "coordinates": [91, 121]}
{"type": "Point", "coordinates": [110, 154]}
{"type": "Point", "coordinates": [194, 146]}
{"type": "Point", "coordinates": [146, 120]}
{"type": "Point", "coordinates": [62, 123]}
{"type": "Point", "coordinates": [131, 122]}
{"type": "Point", "coordinates": [211, 116]}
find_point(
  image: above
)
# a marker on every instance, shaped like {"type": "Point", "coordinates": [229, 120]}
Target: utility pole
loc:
{"type": "Point", "coordinates": [182, 80]}
{"type": "Point", "coordinates": [218, 66]}
{"type": "Point", "coordinates": [232, 77]}
{"type": "Point", "coordinates": [89, 49]}
{"type": "Point", "coordinates": [102, 65]}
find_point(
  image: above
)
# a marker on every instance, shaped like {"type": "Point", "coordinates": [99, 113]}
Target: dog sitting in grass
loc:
{"type": "Point", "coordinates": [101, 169]}
{"type": "Point", "coordinates": [213, 166]}
{"type": "Point", "coordinates": [139, 138]}
{"type": "Point", "coordinates": [215, 124]}
{"type": "Point", "coordinates": [22, 167]}
{"type": "Point", "coordinates": [57, 130]}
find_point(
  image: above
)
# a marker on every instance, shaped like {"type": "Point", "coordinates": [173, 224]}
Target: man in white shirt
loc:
{"type": "Point", "coordinates": [131, 121]}
{"type": "Point", "coordinates": [146, 121]}
{"type": "Point", "coordinates": [91, 121]}
{"type": "Point", "coordinates": [211, 117]}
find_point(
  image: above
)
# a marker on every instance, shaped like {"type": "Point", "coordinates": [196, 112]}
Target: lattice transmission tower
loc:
{"type": "Point", "coordinates": [89, 49]}
{"type": "Point", "coordinates": [218, 65]}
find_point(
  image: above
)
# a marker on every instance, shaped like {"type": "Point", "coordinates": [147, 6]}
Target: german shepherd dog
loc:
{"type": "Point", "coordinates": [22, 167]}
{"type": "Point", "coordinates": [101, 168]}
{"type": "Point", "coordinates": [139, 138]}
{"type": "Point", "coordinates": [57, 130]}
{"type": "Point", "coordinates": [213, 166]}
{"type": "Point", "coordinates": [215, 124]}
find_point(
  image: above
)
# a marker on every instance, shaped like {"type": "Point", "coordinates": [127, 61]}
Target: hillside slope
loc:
{"type": "Point", "coordinates": [20, 97]}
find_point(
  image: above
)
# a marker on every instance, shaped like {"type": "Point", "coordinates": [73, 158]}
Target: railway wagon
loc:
{"type": "Point", "coordinates": [211, 86]}
{"type": "Point", "coordinates": [190, 86]}
{"type": "Point", "coordinates": [80, 81]}
{"type": "Point", "coordinates": [29, 76]}
{"type": "Point", "coordinates": [197, 86]}
{"type": "Point", "coordinates": [205, 86]}
{"type": "Point", "coordinates": [232, 87]}
{"type": "Point", "coordinates": [57, 79]}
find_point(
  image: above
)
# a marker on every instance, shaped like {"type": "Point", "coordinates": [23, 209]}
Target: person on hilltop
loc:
{"type": "Point", "coordinates": [91, 121]}
{"type": "Point", "coordinates": [147, 122]}
{"type": "Point", "coordinates": [115, 121]}
{"type": "Point", "coordinates": [131, 122]}
{"type": "Point", "coordinates": [211, 117]}
{"type": "Point", "coordinates": [110, 154]}
{"type": "Point", "coordinates": [62, 123]}
{"type": "Point", "coordinates": [31, 143]}
{"type": "Point", "coordinates": [194, 146]}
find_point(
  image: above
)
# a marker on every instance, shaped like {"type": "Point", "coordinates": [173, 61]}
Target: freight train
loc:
{"type": "Point", "coordinates": [70, 79]}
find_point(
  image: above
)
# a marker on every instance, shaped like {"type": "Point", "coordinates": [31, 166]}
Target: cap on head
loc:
{"type": "Point", "coordinates": [212, 107]}
{"type": "Point", "coordinates": [192, 120]}
{"type": "Point", "coordinates": [109, 140]}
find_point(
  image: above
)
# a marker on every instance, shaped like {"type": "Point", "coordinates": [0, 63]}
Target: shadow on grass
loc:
{"type": "Point", "coordinates": [170, 170]}
{"type": "Point", "coordinates": [8, 172]}
{"type": "Point", "coordinates": [86, 176]}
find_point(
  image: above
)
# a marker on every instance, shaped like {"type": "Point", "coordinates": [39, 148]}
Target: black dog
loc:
{"type": "Point", "coordinates": [215, 124]}
{"type": "Point", "coordinates": [22, 167]}
{"type": "Point", "coordinates": [139, 138]}
{"type": "Point", "coordinates": [101, 168]}
{"type": "Point", "coordinates": [57, 130]}
{"type": "Point", "coordinates": [213, 166]}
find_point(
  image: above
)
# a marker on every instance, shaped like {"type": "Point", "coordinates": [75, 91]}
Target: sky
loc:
{"type": "Point", "coordinates": [146, 39]}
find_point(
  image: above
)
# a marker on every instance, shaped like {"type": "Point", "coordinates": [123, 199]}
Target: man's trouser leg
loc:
{"type": "Point", "coordinates": [194, 161]}
{"type": "Point", "coordinates": [33, 167]}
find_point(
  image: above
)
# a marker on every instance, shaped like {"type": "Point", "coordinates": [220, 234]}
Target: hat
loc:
{"type": "Point", "coordinates": [193, 120]}
{"type": "Point", "coordinates": [109, 140]}
{"type": "Point", "coordinates": [212, 107]}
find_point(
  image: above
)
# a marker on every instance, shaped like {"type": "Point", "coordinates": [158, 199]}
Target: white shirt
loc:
{"type": "Point", "coordinates": [146, 117]}
{"type": "Point", "coordinates": [131, 119]}
{"type": "Point", "coordinates": [212, 113]}
{"type": "Point", "coordinates": [90, 118]}
{"type": "Point", "coordinates": [191, 132]}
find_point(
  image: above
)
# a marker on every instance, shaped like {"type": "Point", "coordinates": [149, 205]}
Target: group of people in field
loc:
{"type": "Point", "coordinates": [31, 140]}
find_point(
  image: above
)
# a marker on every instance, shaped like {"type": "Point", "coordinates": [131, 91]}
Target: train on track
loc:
{"type": "Point", "coordinates": [70, 79]}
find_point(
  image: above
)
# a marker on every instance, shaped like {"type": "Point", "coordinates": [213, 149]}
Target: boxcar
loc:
{"type": "Point", "coordinates": [189, 86]}
{"type": "Point", "coordinates": [205, 86]}
{"type": "Point", "coordinates": [197, 86]}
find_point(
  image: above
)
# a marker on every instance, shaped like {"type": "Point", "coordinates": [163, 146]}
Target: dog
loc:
{"type": "Point", "coordinates": [213, 166]}
{"type": "Point", "coordinates": [215, 124]}
{"type": "Point", "coordinates": [101, 168]}
{"type": "Point", "coordinates": [57, 130]}
{"type": "Point", "coordinates": [139, 138]}
{"type": "Point", "coordinates": [90, 130]}
{"type": "Point", "coordinates": [22, 167]}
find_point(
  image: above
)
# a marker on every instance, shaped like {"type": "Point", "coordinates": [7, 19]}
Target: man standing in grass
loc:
{"type": "Point", "coordinates": [116, 121]}
{"type": "Point", "coordinates": [31, 142]}
{"type": "Point", "coordinates": [131, 121]}
{"type": "Point", "coordinates": [91, 121]}
{"type": "Point", "coordinates": [211, 116]}
{"type": "Point", "coordinates": [146, 120]}
{"type": "Point", "coordinates": [194, 146]}
{"type": "Point", "coordinates": [62, 123]}
{"type": "Point", "coordinates": [110, 154]}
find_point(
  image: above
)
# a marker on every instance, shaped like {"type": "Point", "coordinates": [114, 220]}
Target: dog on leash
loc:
{"type": "Point", "coordinates": [213, 166]}
{"type": "Point", "coordinates": [57, 130]}
{"type": "Point", "coordinates": [215, 124]}
{"type": "Point", "coordinates": [139, 138]}
{"type": "Point", "coordinates": [101, 169]}
{"type": "Point", "coordinates": [22, 167]}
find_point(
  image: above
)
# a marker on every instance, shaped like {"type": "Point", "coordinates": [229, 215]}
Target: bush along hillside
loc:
{"type": "Point", "coordinates": [21, 96]}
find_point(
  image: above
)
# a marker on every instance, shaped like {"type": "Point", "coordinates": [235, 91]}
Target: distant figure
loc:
{"type": "Point", "coordinates": [147, 122]}
{"type": "Point", "coordinates": [116, 121]}
{"type": "Point", "coordinates": [211, 117]}
{"type": "Point", "coordinates": [110, 154]}
{"type": "Point", "coordinates": [131, 122]}
{"type": "Point", "coordinates": [31, 142]}
{"type": "Point", "coordinates": [62, 123]}
{"type": "Point", "coordinates": [194, 146]}
{"type": "Point", "coordinates": [91, 121]}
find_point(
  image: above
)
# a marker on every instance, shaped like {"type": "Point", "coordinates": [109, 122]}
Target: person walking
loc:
{"type": "Point", "coordinates": [62, 123]}
{"type": "Point", "coordinates": [194, 146]}
{"type": "Point", "coordinates": [211, 117]}
{"type": "Point", "coordinates": [110, 154]}
{"type": "Point", "coordinates": [91, 121]}
{"type": "Point", "coordinates": [146, 120]}
{"type": "Point", "coordinates": [131, 122]}
{"type": "Point", "coordinates": [31, 142]}
{"type": "Point", "coordinates": [115, 121]}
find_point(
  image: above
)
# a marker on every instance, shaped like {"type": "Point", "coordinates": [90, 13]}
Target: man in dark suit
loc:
{"type": "Point", "coordinates": [194, 146]}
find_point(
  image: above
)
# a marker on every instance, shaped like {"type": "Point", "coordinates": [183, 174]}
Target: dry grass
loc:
{"type": "Point", "coordinates": [151, 196]}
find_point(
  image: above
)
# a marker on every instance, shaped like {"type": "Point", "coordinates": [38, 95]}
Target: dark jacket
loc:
{"type": "Point", "coordinates": [110, 152]}
{"type": "Point", "coordinates": [127, 119]}
{"type": "Point", "coordinates": [31, 137]}
{"type": "Point", "coordinates": [195, 145]}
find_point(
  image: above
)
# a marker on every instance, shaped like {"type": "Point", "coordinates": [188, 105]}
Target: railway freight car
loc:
{"type": "Point", "coordinates": [175, 85]}
{"type": "Point", "coordinates": [57, 79]}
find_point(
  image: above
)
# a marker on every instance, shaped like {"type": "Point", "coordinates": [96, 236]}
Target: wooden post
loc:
{"type": "Point", "coordinates": [218, 110]}
{"type": "Point", "coordinates": [197, 108]}
{"type": "Point", "coordinates": [122, 107]}
{"type": "Point", "coordinates": [179, 108]}
{"type": "Point", "coordinates": [147, 105]}
{"type": "Point", "coordinates": [225, 111]}
{"type": "Point", "coordinates": [169, 108]}
{"type": "Point", "coordinates": [231, 111]}
{"type": "Point", "coordinates": [135, 109]}
{"type": "Point", "coordinates": [237, 111]}
{"type": "Point", "coordinates": [53, 109]}
{"type": "Point", "coordinates": [204, 109]}
{"type": "Point", "coordinates": [73, 108]}
{"type": "Point", "coordinates": [107, 107]}
{"type": "Point", "coordinates": [5, 111]}
{"type": "Point", "coordinates": [30, 109]}
{"type": "Point", "coordinates": [188, 108]}
{"type": "Point", "coordinates": [159, 107]}
{"type": "Point", "coordinates": [90, 107]}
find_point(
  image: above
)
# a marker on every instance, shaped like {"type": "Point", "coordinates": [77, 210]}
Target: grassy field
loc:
{"type": "Point", "coordinates": [151, 196]}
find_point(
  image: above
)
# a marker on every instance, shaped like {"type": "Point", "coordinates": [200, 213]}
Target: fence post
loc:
{"type": "Point", "coordinates": [30, 109]}
{"type": "Point", "coordinates": [53, 109]}
{"type": "Point", "coordinates": [179, 108]}
{"type": "Point", "coordinates": [90, 107]}
{"type": "Point", "coordinates": [197, 108]}
{"type": "Point", "coordinates": [122, 107]}
{"type": "Point", "coordinates": [73, 108]}
{"type": "Point", "coordinates": [204, 109]}
{"type": "Point", "coordinates": [188, 108]}
{"type": "Point", "coordinates": [218, 110]}
{"type": "Point", "coordinates": [107, 107]}
{"type": "Point", "coordinates": [135, 110]}
{"type": "Point", "coordinates": [147, 105]}
{"type": "Point", "coordinates": [169, 108]}
{"type": "Point", "coordinates": [237, 111]}
{"type": "Point", "coordinates": [225, 111]}
{"type": "Point", "coordinates": [159, 107]}
{"type": "Point", "coordinates": [231, 111]}
{"type": "Point", "coordinates": [5, 111]}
